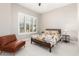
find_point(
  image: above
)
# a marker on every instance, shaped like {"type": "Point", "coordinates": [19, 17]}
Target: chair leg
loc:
{"type": "Point", "coordinates": [1, 52]}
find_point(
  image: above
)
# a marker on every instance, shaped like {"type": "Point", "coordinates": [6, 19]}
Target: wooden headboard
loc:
{"type": "Point", "coordinates": [59, 30]}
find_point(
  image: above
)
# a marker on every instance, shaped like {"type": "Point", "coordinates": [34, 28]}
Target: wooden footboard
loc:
{"type": "Point", "coordinates": [48, 45]}
{"type": "Point", "coordinates": [45, 44]}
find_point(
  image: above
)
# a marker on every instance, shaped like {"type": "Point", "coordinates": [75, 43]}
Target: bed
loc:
{"type": "Point", "coordinates": [48, 39]}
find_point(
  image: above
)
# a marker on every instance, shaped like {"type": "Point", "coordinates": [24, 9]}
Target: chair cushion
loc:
{"type": "Point", "coordinates": [13, 46]}
{"type": "Point", "coordinates": [7, 39]}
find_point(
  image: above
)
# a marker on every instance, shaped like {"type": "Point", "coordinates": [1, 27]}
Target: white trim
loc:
{"type": "Point", "coordinates": [27, 33]}
{"type": "Point", "coordinates": [25, 16]}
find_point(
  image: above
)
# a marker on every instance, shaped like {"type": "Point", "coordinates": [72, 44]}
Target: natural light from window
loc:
{"type": "Point", "coordinates": [26, 23]}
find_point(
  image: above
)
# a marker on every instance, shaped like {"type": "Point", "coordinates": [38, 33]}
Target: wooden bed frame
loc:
{"type": "Point", "coordinates": [45, 44]}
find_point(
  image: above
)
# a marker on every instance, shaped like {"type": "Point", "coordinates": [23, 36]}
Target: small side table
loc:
{"type": "Point", "coordinates": [65, 38]}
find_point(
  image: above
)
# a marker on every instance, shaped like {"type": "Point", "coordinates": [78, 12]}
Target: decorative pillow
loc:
{"type": "Point", "coordinates": [53, 33]}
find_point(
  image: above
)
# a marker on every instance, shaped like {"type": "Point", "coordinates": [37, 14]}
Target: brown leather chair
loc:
{"type": "Point", "coordinates": [9, 43]}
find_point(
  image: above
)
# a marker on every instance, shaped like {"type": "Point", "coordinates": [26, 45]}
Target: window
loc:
{"type": "Point", "coordinates": [26, 23]}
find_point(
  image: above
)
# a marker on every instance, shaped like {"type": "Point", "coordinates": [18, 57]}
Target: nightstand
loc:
{"type": "Point", "coordinates": [65, 38]}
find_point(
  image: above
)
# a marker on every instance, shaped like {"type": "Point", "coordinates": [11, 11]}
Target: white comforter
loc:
{"type": "Point", "coordinates": [49, 39]}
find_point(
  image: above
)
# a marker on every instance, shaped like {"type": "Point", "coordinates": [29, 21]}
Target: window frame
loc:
{"type": "Point", "coordinates": [25, 17]}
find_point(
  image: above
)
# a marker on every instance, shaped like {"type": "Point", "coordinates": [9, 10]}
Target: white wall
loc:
{"type": "Point", "coordinates": [9, 18]}
{"type": "Point", "coordinates": [5, 19]}
{"type": "Point", "coordinates": [78, 19]}
{"type": "Point", "coordinates": [64, 18]}
{"type": "Point", "coordinates": [15, 9]}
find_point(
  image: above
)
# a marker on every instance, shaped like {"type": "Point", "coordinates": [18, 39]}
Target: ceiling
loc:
{"type": "Point", "coordinates": [45, 7]}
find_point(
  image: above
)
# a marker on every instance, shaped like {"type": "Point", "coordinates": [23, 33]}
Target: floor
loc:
{"type": "Point", "coordinates": [60, 49]}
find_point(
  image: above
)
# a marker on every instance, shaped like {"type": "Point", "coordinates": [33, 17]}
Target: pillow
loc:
{"type": "Point", "coordinates": [54, 33]}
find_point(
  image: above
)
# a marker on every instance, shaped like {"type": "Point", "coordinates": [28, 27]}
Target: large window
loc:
{"type": "Point", "coordinates": [26, 23]}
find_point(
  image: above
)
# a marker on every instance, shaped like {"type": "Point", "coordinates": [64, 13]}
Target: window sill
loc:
{"type": "Point", "coordinates": [28, 33]}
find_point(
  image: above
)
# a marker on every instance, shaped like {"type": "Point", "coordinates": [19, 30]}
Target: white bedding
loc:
{"type": "Point", "coordinates": [49, 38]}
{"type": "Point", "coordinates": [52, 40]}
